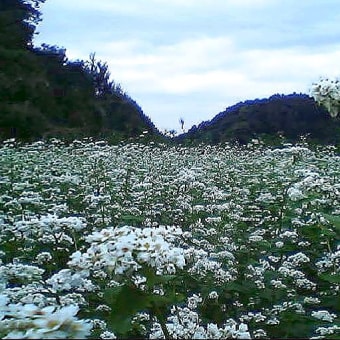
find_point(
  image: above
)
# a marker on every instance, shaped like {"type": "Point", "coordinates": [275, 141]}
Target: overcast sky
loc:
{"type": "Point", "coordinates": [191, 59]}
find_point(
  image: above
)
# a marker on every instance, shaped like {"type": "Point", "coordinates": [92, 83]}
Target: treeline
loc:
{"type": "Point", "coordinates": [43, 94]}
{"type": "Point", "coordinates": [274, 119]}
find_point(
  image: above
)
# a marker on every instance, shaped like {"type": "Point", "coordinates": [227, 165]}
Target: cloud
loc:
{"type": "Point", "coordinates": [211, 62]}
{"type": "Point", "coordinates": [197, 54]}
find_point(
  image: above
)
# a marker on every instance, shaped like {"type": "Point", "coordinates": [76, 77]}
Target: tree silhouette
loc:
{"type": "Point", "coordinates": [18, 21]}
{"type": "Point", "coordinates": [181, 121]}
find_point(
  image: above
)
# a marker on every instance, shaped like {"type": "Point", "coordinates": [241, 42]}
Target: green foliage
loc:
{"type": "Point", "coordinates": [18, 20]}
{"type": "Point", "coordinates": [279, 117]}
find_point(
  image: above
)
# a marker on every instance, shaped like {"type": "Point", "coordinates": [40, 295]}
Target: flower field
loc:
{"type": "Point", "coordinates": [158, 241]}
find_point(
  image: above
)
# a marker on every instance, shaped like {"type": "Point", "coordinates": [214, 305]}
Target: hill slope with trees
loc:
{"type": "Point", "coordinates": [43, 94]}
{"type": "Point", "coordinates": [290, 116]}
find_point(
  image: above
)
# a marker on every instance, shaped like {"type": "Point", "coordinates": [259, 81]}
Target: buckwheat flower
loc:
{"type": "Point", "coordinates": [99, 324]}
{"type": "Point", "coordinates": [213, 220]}
{"type": "Point", "coordinates": [289, 234]}
{"type": "Point", "coordinates": [295, 194]}
{"type": "Point", "coordinates": [229, 330]}
{"type": "Point", "coordinates": [328, 330]}
{"type": "Point", "coordinates": [43, 257]}
{"type": "Point", "coordinates": [194, 300]}
{"type": "Point", "coordinates": [107, 335]}
{"type": "Point", "coordinates": [170, 268]}
{"type": "Point", "coordinates": [65, 279]}
{"type": "Point", "coordinates": [156, 331]}
{"type": "Point", "coordinates": [242, 332]}
{"type": "Point", "coordinates": [277, 284]}
{"type": "Point", "coordinates": [200, 333]}
{"type": "Point", "coordinates": [63, 320]}
{"type": "Point", "coordinates": [23, 272]}
{"type": "Point", "coordinates": [73, 299]}
{"type": "Point", "coordinates": [101, 236]}
{"type": "Point", "coordinates": [296, 259]}
{"type": "Point", "coordinates": [259, 333]}
{"type": "Point", "coordinates": [213, 295]}
{"type": "Point", "coordinates": [289, 272]}
{"type": "Point", "coordinates": [255, 238]}
{"type": "Point", "coordinates": [259, 284]}
{"type": "Point", "coordinates": [103, 308]}
{"type": "Point", "coordinates": [306, 284]}
{"type": "Point", "coordinates": [212, 331]}
{"type": "Point", "coordinates": [274, 259]}
{"type": "Point", "coordinates": [324, 315]}
{"type": "Point", "coordinates": [273, 321]}
{"type": "Point", "coordinates": [311, 300]}
{"type": "Point", "coordinates": [304, 244]}
{"type": "Point", "coordinates": [279, 244]}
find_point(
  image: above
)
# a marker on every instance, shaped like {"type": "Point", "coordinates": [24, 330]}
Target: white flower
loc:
{"type": "Point", "coordinates": [255, 238]}
{"type": "Point", "coordinates": [107, 335]}
{"type": "Point", "coordinates": [324, 315]}
{"type": "Point", "coordinates": [50, 322]}
{"type": "Point", "coordinates": [44, 257]}
{"type": "Point", "coordinates": [125, 249]}
{"type": "Point", "coordinates": [242, 332]}
{"type": "Point", "coordinates": [279, 244]}
{"type": "Point", "coordinates": [295, 194]}
{"type": "Point", "coordinates": [213, 295]}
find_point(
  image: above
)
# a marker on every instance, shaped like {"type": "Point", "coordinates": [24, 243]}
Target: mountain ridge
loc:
{"type": "Point", "coordinates": [290, 116]}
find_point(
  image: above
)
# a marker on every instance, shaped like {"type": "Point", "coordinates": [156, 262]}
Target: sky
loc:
{"type": "Point", "coordinates": [192, 59]}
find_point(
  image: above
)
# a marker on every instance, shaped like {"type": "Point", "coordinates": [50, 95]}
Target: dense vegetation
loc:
{"type": "Point", "coordinates": [272, 119]}
{"type": "Point", "coordinates": [158, 240]}
{"type": "Point", "coordinates": [151, 241]}
{"type": "Point", "coordinates": [44, 94]}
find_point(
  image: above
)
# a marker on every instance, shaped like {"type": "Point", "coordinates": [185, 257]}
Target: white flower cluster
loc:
{"type": "Point", "coordinates": [124, 249]}
{"type": "Point", "coordinates": [66, 280]}
{"type": "Point", "coordinates": [28, 321]}
{"type": "Point", "coordinates": [323, 331]}
{"type": "Point", "coordinates": [296, 260]}
{"type": "Point", "coordinates": [202, 263]}
{"type": "Point", "coordinates": [57, 223]}
{"type": "Point", "coordinates": [20, 272]}
{"type": "Point", "coordinates": [49, 228]}
{"type": "Point", "coordinates": [330, 260]}
{"type": "Point", "coordinates": [327, 93]}
{"type": "Point", "coordinates": [324, 315]}
{"type": "Point", "coordinates": [295, 194]}
{"type": "Point", "coordinates": [253, 227]}
{"type": "Point", "coordinates": [185, 323]}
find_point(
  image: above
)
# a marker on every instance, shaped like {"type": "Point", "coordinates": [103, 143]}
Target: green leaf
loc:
{"type": "Point", "coordinates": [125, 302]}
{"type": "Point", "coordinates": [153, 279]}
{"type": "Point", "coordinates": [328, 232]}
{"type": "Point", "coordinates": [333, 219]}
{"type": "Point", "coordinates": [330, 278]}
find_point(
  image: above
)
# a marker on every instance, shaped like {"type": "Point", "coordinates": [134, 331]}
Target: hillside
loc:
{"type": "Point", "coordinates": [288, 115]}
{"type": "Point", "coordinates": [43, 94]}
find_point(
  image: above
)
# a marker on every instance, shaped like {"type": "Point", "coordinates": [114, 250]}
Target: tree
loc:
{"type": "Point", "coordinates": [100, 74]}
{"type": "Point", "coordinates": [327, 93]}
{"type": "Point", "coordinates": [18, 20]}
{"type": "Point", "coordinates": [181, 121]}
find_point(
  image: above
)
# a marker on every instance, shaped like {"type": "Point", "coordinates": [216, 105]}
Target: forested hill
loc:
{"type": "Point", "coordinates": [288, 115]}
{"type": "Point", "coordinates": [43, 94]}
